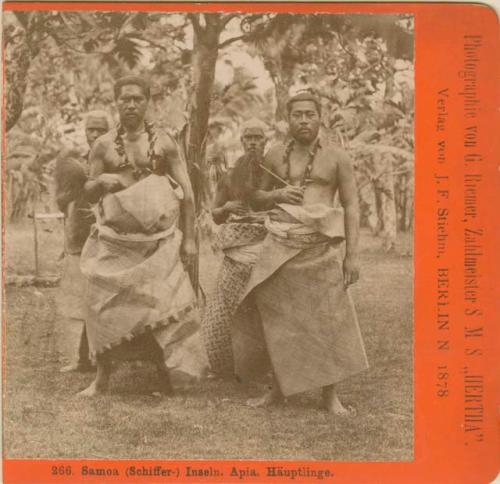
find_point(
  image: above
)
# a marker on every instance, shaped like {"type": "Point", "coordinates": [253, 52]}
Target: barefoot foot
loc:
{"type": "Point", "coordinates": [92, 390]}
{"type": "Point", "coordinates": [69, 368]}
{"type": "Point", "coordinates": [338, 409]}
{"type": "Point", "coordinates": [334, 406]}
{"type": "Point", "coordinates": [86, 367]}
{"type": "Point", "coordinates": [78, 367]}
{"type": "Point", "coordinates": [166, 387]}
{"type": "Point", "coordinates": [272, 397]}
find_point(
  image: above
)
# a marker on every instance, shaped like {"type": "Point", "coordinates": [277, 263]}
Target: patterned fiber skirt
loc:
{"type": "Point", "coordinates": [219, 313]}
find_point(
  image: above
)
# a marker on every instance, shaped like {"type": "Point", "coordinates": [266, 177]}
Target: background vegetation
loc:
{"type": "Point", "coordinates": [209, 73]}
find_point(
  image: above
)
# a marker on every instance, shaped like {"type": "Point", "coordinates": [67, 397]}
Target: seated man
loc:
{"type": "Point", "coordinates": [71, 172]}
{"type": "Point", "coordinates": [139, 297]}
{"type": "Point", "coordinates": [240, 239]}
{"type": "Point", "coordinates": [300, 281]}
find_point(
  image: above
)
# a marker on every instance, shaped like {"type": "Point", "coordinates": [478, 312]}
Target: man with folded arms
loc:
{"type": "Point", "coordinates": [240, 238]}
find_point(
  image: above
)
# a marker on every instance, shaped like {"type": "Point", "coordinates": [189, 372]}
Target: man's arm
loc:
{"type": "Point", "coordinates": [92, 188]}
{"type": "Point", "coordinates": [100, 182]}
{"type": "Point", "coordinates": [348, 195]}
{"type": "Point", "coordinates": [70, 177]}
{"type": "Point", "coordinates": [264, 198]}
{"type": "Point", "coordinates": [179, 173]}
{"type": "Point", "coordinates": [219, 212]}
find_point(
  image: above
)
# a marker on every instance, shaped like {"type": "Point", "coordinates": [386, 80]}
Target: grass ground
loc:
{"type": "Point", "coordinates": [20, 248]}
{"type": "Point", "coordinates": [44, 419]}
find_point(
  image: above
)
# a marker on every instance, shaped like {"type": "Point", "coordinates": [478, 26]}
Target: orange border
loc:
{"type": "Point", "coordinates": [441, 452]}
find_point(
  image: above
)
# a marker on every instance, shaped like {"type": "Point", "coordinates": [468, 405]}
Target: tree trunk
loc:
{"type": "Point", "coordinates": [205, 52]}
{"type": "Point", "coordinates": [272, 64]}
{"type": "Point", "coordinates": [281, 98]}
{"type": "Point", "coordinates": [385, 199]}
{"type": "Point", "coordinates": [18, 57]}
{"type": "Point", "coordinates": [408, 214]}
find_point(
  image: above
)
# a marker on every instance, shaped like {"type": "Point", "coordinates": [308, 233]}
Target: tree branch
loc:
{"type": "Point", "coordinates": [232, 40]}
{"type": "Point", "coordinates": [196, 23]}
{"type": "Point", "coordinates": [61, 40]}
{"type": "Point", "coordinates": [68, 25]}
{"type": "Point", "coordinates": [158, 46]}
{"type": "Point", "coordinates": [344, 48]}
{"type": "Point", "coordinates": [22, 18]}
{"type": "Point", "coordinates": [225, 19]}
{"type": "Point", "coordinates": [11, 36]}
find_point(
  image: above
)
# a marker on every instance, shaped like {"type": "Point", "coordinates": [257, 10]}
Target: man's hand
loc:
{"type": "Point", "coordinates": [236, 207]}
{"type": "Point", "coordinates": [188, 252]}
{"type": "Point", "coordinates": [351, 270]}
{"type": "Point", "coordinates": [292, 195]}
{"type": "Point", "coordinates": [109, 182]}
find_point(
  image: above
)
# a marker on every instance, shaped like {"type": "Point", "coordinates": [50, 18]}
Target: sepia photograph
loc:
{"type": "Point", "coordinates": [208, 235]}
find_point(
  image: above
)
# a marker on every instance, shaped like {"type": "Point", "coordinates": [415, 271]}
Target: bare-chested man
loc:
{"type": "Point", "coordinates": [239, 238]}
{"type": "Point", "coordinates": [300, 281]}
{"type": "Point", "coordinates": [139, 296]}
{"type": "Point", "coordinates": [71, 173]}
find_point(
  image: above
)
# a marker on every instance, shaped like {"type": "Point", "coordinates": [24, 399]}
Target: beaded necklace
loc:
{"type": "Point", "coordinates": [306, 177]}
{"type": "Point", "coordinates": [138, 172]}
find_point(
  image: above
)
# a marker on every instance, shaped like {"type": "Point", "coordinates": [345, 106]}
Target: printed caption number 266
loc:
{"type": "Point", "coordinates": [61, 470]}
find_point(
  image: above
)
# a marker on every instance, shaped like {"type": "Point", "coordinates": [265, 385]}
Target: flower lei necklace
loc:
{"type": "Point", "coordinates": [306, 177]}
{"type": "Point", "coordinates": [138, 172]}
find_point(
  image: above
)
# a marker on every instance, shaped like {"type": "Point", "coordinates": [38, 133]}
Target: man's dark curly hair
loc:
{"type": "Point", "coordinates": [135, 81]}
{"type": "Point", "coordinates": [303, 96]}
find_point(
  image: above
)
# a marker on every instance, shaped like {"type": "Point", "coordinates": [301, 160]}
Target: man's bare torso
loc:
{"type": "Point", "coordinates": [108, 160]}
{"type": "Point", "coordinates": [324, 180]}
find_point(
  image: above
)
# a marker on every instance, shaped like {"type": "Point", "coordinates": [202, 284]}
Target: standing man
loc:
{"type": "Point", "coordinates": [241, 234]}
{"type": "Point", "coordinates": [139, 298]}
{"type": "Point", "coordinates": [71, 173]}
{"type": "Point", "coordinates": [300, 282]}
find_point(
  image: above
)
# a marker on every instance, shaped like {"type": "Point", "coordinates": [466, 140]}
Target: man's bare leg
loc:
{"type": "Point", "coordinates": [161, 367]}
{"type": "Point", "coordinates": [164, 377]}
{"type": "Point", "coordinates": [100, 384]}
{"type": "Point", "coordinates": [274, 395]}
{"type": "Point", "coordinates": [332, 403]}
{"type": "Point", "coordinates": [83, 365]}
{"type": "Point", "coordinates": [84, 362]}
{"type": "Point", "coordinates": [77, 367]}
{"type": "Point", "coordinates": [69, 368]}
